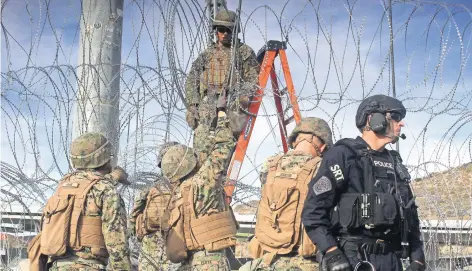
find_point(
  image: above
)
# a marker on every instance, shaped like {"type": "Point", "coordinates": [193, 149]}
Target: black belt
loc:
{"type": "Point", "coordinates": [372, 245]}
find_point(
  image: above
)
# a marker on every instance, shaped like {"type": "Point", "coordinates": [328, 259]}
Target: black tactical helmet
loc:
{"type": "Point", "coordinates": [378, 103]}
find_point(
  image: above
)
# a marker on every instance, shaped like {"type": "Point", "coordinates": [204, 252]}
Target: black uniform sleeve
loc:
{"type": "Point", "coordinates": [414, 237]}
{"type": "Point", "coordinates": [321, 198]}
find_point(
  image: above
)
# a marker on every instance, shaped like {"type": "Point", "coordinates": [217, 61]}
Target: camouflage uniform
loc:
{"type": "Point", "coordinates": [110, 205]}
{"type": "Point", "coordinates": [152, 255]}
{"type": "Point", "coordinates": [207, 185]}
{"type": "Point", "coordinates": [281, 263]}
{"type": "Point", "coordinates": [209, 76]}
{"type": "Point", "coordinates": [292, 161]}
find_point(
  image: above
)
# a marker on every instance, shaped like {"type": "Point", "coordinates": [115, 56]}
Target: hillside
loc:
{"type": "Point", "coordinates": [247, 208]}
{"type": "Point", "coordinates": [445, 195]}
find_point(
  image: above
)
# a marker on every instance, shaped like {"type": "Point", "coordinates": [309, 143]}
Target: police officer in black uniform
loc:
{"type": "Point", "coordinates": [360, 210]}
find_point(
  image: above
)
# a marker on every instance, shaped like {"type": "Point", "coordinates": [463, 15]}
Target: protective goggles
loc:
{"type": "Point", "coordinates": [223, 29]}
{"type": "Point", "coordinates": [395, 116]}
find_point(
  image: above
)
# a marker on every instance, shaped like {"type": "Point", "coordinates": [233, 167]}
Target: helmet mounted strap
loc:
{"type": "Point", "coordinates": [310, 139]}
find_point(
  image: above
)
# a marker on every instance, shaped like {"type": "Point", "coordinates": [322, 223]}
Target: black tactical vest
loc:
{"type": "Point", "coordinates": [385, 199]}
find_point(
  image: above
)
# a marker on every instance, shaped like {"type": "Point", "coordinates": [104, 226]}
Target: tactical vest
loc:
{"type": "Point", "coordinates": [216, 71]}
{"type": "Point", "coordinates": [64, 225]}
{"type": "Point", "coordinates": [279, 229]}
{"type": "Point", "coordinates": [153, 214]}
{"type": "Point", "coordinates": [384, 205]}
{"type": "Point", "coordinates": [212, 232]}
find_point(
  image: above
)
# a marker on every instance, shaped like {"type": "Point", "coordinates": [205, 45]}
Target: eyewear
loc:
{"type": "Point", "coordinates": [395, 116]}
{"type": "Point", "coordinates": [221, 29]}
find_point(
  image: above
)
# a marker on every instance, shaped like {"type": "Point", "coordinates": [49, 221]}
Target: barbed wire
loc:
{"type": "Point", "coordinates": [338, 52]}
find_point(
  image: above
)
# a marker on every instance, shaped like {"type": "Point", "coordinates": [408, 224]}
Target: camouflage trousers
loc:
{"type": "Point", "coordinates": [203, 138]}
{"type": "Point", "coordinates": [152, 255]}
{"type": "Point", "coordinates": [295, 263]}
{"type": "Point", "coordinates": [206, 261]}
{"type": "Point", "coordinates": [76, 264]}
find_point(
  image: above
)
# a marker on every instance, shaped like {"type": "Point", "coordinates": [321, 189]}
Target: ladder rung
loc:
{"type": "Point", "coordinates": [288, 121]}
{"type": "Point", "coordinates": [283, 91]}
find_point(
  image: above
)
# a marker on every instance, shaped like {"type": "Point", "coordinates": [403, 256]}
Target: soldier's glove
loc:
{"type": "Point", "coordinates": [415, 266]}
{"type": "Point", "coordinates": [192, 116]}
{"type": "Point", "coordinates": [336, 261]}
{"type": "Point", "coordinates": [244, 101]}
{"type": "Point", "coordinates": [118, 174]}
{"type": "Point", "coordinates": [221, 103]}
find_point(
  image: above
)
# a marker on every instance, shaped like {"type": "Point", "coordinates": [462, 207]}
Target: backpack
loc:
{"type": "Point", "coordinates": [279, 228]}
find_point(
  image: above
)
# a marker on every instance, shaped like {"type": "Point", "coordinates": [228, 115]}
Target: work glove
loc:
{"type": "Point", "coordinates": [118, 174]}
{"type": "Point", "coordinates": [244, 101]}
{"type": "Point", "coordinates": [415, 266]}
{"type": "Point", "coordinates": [192, 116]}
{"type": "Point", "coordinates": [221, 103]}
{"type": "Point", "coordinates": [335, 261]}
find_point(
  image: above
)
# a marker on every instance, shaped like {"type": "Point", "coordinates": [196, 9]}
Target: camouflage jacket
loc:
{"type": "Point", "coordinates": [292, 160]}
{"type": "Point", "coordinates": [211, 72]}
{"type": "Point", "coordinates": [138, 208]}
{"type": "Point", "coordinates": [111, 208]}
{"type": "Point", "coordinates": [208, 181]}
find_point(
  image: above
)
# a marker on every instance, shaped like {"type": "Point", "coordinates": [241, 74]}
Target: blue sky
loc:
{"type": "Point", "coordinates": [336, 59]}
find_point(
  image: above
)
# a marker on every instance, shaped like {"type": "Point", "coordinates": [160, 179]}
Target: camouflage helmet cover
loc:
{"type": "Point", "coordinates": [90, 150]}
{"type": "Point", "coordinates": [178, 161]}
{"type": "Point", "coordinates": [225, 18]}
{"type": "Point", "coordinates": [162, 150]}
{"type": "Point", "coordinates": [314, 126]}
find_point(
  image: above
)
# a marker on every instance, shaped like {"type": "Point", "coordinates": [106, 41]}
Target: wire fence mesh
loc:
{"type": "Point", "coordinates": [339, 52]}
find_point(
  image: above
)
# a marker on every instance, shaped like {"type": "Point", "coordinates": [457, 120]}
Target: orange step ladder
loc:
{"type": "Point", "coordinates": [266, 58]}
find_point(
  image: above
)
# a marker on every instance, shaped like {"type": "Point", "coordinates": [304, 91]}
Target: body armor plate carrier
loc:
{"type": "Point", "coordinates": [385, 210]}
{"type": "Point", "coordinates": [64, 225]}
{"type": "Point", "coordinates": [279, 229]}
{"type": "Point", "coordinates": [187, 232]}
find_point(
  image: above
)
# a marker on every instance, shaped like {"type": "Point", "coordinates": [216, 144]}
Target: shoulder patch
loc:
{"type": "Point", "coordinates": [322, 185]}
{"type": "Point", "coordinates": [337, 172]}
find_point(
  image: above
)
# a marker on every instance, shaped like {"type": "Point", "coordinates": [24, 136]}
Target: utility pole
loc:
{"type": "Point", "coordinates": [213, 6]}
{"type": "Point", "coordinates": [392, 58]}
{"type": "Point", "coordinates": [98, 72]}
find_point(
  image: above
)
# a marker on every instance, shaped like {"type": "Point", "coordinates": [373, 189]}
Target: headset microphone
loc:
{"type": "Point", "coordinates": [402, 136]}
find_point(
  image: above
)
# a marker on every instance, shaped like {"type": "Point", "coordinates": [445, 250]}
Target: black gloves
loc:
{"type": "Point", "coordinates": [335, 261]}
{"type": "Point", "coordinates": [415, 266]}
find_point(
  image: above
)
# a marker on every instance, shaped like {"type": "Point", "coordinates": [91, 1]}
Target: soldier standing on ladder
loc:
{"type": "Point", "coordinates": [227, 67]}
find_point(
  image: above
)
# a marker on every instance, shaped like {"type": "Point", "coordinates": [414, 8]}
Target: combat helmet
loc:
{"type": "Point", "coordinates": [314, 126]}
{"type": "Point", "coordinates": [90, 150]}
{"type": "Point", "coordinates": [178, 161]}
{"type": "Point", "coordinates": [378, 104]}
{"type": "Point", "coordinates": [225, 18]}
{"type": "Point", "coordinates": [163, 149]}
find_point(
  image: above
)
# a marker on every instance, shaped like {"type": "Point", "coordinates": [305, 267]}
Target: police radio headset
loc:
{"type": "Point", "coordinates": [378, 123]}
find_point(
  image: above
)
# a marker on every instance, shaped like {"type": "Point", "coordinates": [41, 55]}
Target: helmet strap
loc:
{"type": "Point", "coordinates": [389, 130]}
{"type": "Point", "coordinates": [308, 139]}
